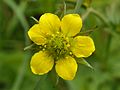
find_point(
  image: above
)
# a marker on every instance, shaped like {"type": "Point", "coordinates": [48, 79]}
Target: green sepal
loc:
{"type": "Point", "coordinates": [29, 47]}
{"type": "Point", "coordinates": [89, 31]}
{"type": "Point", "coordinates": [34, 19]}
{"type": "Point", "coordinates": [84, 62]}
{"type": "Point", "coordinates": [34, 47]}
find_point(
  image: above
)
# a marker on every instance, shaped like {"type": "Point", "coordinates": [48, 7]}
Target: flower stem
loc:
{"type": "Point", "coordinates": [86, 14]}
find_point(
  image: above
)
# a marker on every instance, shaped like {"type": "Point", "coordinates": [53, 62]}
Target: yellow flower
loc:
{"type": "Point", "coordinates": [61, 44]}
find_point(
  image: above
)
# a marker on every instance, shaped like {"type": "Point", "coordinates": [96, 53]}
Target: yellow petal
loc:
{"type": "Point", "coordinates": [41, 63]}
{"type": "Point", "coordinates": [82, 46]}
{"type": "Point", "coordinates": [66, 68]}
{"type": "Point", "coordinates": [35, 35]}
{"type": "Point", "coordinates": [71, 24]}
{"type": "Point", "coordinates": [49, 23]}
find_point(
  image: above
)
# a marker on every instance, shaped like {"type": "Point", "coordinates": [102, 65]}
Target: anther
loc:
{"type": "Point", "coordinates": [70, 53]}
{"type": "Point", "coordinates": [43, 49]}
{"type": "Point", "coordinates": [47, 33]}
{"type": "Point", "coordinates": [68, 45]}
{"type": "Point", "coordinates": [57, 32]}
{"type": "Point", "coordinates": [45, 46]}
{"type": "Point", "coordinates": [66, 57]}
{"type": "Point", "coordinates": [67, 39]}
{"type": "Point", "coordinates": [53, 35]}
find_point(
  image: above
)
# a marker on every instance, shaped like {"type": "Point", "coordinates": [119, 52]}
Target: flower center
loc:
{"type": "Point", "coordinates": [57, 46]}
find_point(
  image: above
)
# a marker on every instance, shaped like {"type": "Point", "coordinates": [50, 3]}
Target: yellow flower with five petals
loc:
{"type": "Point", "coordinates": [61, 44]}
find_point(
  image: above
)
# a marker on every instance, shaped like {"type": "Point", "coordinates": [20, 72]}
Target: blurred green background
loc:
{"type": "Point", "coordinates": [15, 21]}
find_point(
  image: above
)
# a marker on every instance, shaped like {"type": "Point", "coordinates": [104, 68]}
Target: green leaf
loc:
{"type": "Point", "coordinates": [84, 62]}
{"type": "Point", "coordinates": [14, 20]}
{"type": "Point", "coordinates": [21, 17]}
{"type": "Point", "coordinates": [112, 12]}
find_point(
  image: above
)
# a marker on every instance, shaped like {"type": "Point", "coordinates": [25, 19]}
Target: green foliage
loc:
{"type": "Point", "coordinates": [15, 21]}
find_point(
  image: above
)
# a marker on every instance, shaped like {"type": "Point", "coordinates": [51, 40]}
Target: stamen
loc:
{"type": "Point", "coordinates": [57, 32]}
{"type": "Point", "coordinates": [43, 49]}
{"type": "Point", "coordinates": [58, 46]}
{"type": "Point", "coordinates": [66, 57]}
{"type": "Point", "coordinates": [53, 35]}
{"type": "Point", "coordinates": [45, 46]}
{"type": "Point", "coordinates": [68, 45]}
{"type": "Point", "coordinates": [70, 53]}
{"type": "Point", "coordinates": [67, 39]}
